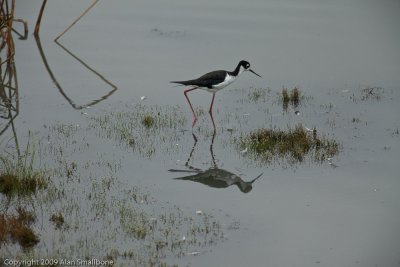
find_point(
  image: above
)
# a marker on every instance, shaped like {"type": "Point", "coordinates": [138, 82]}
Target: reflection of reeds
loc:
{"type": "Point", "coordinates": [8, 92]}
{"type": "Point", "coordinates": [58, 85]}
{"type": "Point", "coordinates": [9, 99]}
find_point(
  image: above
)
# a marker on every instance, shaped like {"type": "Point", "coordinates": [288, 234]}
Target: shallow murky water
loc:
{"type": "Point", "coordinates": [82, 102]}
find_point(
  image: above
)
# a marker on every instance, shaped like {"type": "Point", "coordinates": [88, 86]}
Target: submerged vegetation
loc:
{"type": "Point", "coordinates": [368, 93]}
{"type": "Point", "coordinates": [91, 212]}
{"type": "Point", "coordinates": [258, 94]}
{"type": "Point", "coordinates": [140, 127]}
{"type": "Point", "coordinates": [168, 233]}
{"type": "Point", "coordinates": [293, 144]}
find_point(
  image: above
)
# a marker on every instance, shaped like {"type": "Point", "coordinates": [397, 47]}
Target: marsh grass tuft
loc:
{"type": "Point", "coordinates": [293, 144]}
{"type": "Point", "coordinates": [16, 228]}
{"type": "Point", "coordinates": [57, 219]}
{"type": "Point", "coordinates": [295, 96]}
{"type": "Point", "coordinates": [285, 95]}
{"type": "Point", "coordinates": [292, 97]}
{"type": "Point", "coordinates": [18, 175]}
{"type": "Point", "coordinates": [396, 132]}
{"type": "Point", "coordinates": [148, 121]}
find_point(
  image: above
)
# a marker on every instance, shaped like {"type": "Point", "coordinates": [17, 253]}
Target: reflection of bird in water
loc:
{"type": "Point", "coordinates": [220, 178]}
{"type": "Point", "coordinates": [214, 176]}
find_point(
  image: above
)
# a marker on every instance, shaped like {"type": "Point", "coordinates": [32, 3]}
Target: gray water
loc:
{"type": "Point", "coordinates": [340, 214]}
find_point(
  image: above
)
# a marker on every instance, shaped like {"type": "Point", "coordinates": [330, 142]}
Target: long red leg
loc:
{"type": "Point", "coordinates": [191, 107]}
{"type": "Point", "coordinates": [210, 111]}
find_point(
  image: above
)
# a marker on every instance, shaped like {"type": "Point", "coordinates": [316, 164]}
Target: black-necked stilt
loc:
{"type": "Point", "coordinates": [213, 82]}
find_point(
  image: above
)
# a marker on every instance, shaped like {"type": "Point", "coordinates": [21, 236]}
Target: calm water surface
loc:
{"type": "Point", "coordinates": [303, 215]}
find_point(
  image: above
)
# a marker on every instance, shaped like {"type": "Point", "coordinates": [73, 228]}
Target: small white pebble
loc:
{"type": "Point", "coordinates": [183, 238]}
{"type": "Point", "coordinates": [199, 212]}
{"type": "Point", "coordinates": [143, 98]}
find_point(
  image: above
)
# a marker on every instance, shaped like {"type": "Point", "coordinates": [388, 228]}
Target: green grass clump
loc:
{"type": "Point", "coordinates": [293, 144]}
{"type": "Point", "coordinates": [18, 175]}
{"type": "Point", "coordinates": [285, 95]}
{"type": "Point", "coordinates": [148, 121]}
{"type": "Point", "coordinates": [11, 184]}
{"type": "Point", "coordinates": [57, 219]}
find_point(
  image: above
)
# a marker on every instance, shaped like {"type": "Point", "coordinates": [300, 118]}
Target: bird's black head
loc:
{"type": "Point", "coordinates": [246, 65]}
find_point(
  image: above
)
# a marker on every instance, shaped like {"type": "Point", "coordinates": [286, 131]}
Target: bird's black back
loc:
{"type": "Point", "coordinates": [207, 80]}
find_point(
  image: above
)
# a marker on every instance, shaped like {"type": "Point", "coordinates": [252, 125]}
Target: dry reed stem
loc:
{"type": "Point", "coordinates": [7, 17]}
{"type": "Point", "coordinates": [37, 27]}
{"type": "Point", "coordinates": [76, 20]}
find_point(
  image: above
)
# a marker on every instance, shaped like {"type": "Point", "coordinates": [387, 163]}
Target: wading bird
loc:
{"type": "Point", "coordinates": [213, 82]}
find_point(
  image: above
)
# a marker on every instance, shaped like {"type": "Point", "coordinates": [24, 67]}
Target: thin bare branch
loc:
{"type": "Point", "coordinates": [76, 20]}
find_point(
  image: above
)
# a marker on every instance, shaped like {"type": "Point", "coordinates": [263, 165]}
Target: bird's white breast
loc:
{"type": "Point", "coordinates": [228, 80]}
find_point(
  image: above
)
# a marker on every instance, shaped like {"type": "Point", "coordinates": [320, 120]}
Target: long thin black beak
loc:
{"type": "Point", "coordinates": [252, 181]}
{"type": "Point", "coordinates": [254, 73]}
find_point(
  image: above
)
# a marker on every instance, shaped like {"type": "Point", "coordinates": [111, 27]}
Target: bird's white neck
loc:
{"type": "Point", "coordinates": [241, 70]}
